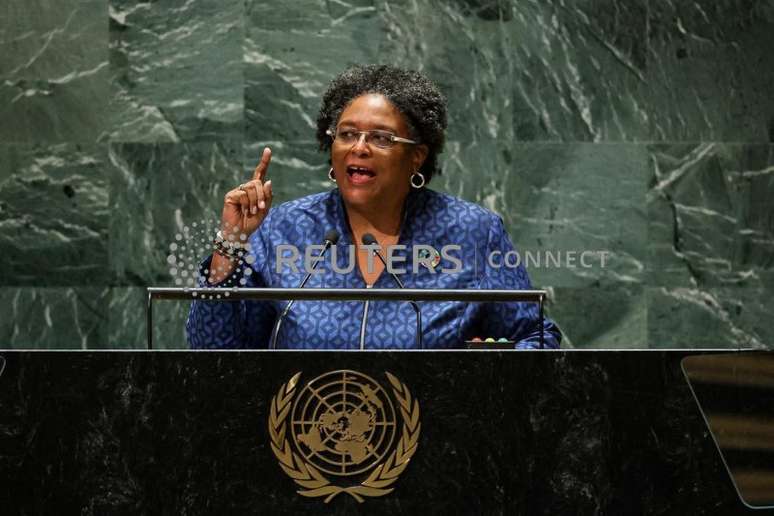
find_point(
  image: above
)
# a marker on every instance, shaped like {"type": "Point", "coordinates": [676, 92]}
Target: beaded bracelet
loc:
{"type": "Point", "coordinates": [229, 249]}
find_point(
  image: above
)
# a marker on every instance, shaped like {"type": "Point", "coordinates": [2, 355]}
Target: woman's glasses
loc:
{"type": "Point", "coordinates": [381, 139]}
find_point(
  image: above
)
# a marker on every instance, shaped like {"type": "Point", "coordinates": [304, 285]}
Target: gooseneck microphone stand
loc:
{"type": "Point", "coordinates": [331, 237]}
{"type": "Point", "coordinates": [369, 240]}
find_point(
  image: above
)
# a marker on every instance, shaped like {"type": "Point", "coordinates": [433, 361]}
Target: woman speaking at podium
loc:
{"type": "Point", "coordinates": [384, 129]}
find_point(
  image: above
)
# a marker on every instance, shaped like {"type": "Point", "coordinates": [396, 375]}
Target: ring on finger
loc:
{"type": "Point", "coordinates": [242, 187]}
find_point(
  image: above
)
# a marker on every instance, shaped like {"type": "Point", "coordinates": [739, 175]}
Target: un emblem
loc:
{"type": "Point", "coordinates": [343, 424]}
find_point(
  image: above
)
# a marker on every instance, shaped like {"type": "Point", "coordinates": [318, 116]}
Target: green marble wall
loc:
{"type": "Point", "coordinates": [643, 129]}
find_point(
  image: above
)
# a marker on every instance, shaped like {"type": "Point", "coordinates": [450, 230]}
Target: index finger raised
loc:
{"type": "Point", "coordinates": [260, 170]}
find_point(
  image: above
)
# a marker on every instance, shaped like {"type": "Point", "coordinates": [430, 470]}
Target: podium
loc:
{"type": "Point", "coordinates": [494, 432]}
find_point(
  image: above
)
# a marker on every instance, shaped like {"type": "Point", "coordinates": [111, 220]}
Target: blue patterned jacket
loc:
{"type": "Point", "coordinates": [429, 218]}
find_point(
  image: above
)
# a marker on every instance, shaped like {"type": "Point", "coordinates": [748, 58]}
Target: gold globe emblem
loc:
{"type": "Point", "coordinates": [343, 423]}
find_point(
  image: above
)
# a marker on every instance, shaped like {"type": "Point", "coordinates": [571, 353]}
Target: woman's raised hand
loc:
{"type": "Point", "coordinates": [246, 206]}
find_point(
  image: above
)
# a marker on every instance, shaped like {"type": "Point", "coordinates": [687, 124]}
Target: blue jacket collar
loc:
{"type": "Point", "coordinates": [411, 206]}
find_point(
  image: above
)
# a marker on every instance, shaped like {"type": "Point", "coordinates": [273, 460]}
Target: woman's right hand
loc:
{"type": "Point", "coordinates": [245, 207]}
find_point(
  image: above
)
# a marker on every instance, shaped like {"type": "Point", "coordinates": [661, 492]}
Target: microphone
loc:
{"type": "Point", "coordinates": [330, 238]}
{"type": "Point", "coordinates": [370, 240]}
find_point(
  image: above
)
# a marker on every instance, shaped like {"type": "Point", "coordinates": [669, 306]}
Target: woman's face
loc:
{"type": "Point", "coordinates": [369, 176]}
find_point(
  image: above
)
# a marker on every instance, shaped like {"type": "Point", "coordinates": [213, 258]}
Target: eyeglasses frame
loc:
{"type": "Point", "coordinates": [360, 134]}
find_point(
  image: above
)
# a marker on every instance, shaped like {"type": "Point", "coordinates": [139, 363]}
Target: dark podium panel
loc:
{"type": "Point", "coordinates": [501, 433]}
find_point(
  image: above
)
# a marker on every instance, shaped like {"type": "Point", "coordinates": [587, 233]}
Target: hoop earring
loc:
{"type": "Point", "coordinates": [331, 176]}
{"type": "Point", "coordinates": [421, 179]}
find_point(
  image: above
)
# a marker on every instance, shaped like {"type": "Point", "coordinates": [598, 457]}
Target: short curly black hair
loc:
{"type": "Point", "coordinates": [415, 96]}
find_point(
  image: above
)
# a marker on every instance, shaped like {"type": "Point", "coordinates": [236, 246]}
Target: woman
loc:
{"type": "Point", "coordinates": [384, 128]}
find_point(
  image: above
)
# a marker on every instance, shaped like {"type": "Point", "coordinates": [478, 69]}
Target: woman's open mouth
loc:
{"type": "Point", "coordinates": [360, 175]}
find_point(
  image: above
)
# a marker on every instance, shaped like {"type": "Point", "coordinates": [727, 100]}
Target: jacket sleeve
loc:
{"type": "Point", "coordinates": [235, 324]}
{"type": "Point", "coordinates": [519, 322]}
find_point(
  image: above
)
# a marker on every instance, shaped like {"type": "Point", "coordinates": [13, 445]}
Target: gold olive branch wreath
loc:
{"type": "Point", "coordinates": [314, 483]}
